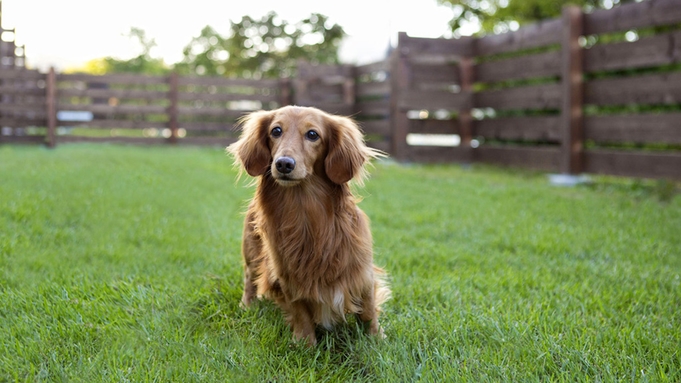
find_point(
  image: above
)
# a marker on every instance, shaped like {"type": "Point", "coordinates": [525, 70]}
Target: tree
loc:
{"type": "Point", "coordinates": [500, 16]}
{"type": "Point", "coordinates": [143, 63]}
{"type": "Point", "coordinates": [267, 47]}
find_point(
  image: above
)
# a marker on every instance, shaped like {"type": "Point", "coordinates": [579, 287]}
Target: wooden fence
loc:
{"type": "Point", "coordinates": [592, 92]}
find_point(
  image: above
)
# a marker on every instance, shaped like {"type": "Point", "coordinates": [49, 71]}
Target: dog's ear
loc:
{"type": "Point", "coordinates": [347, 152]}
{"type": "Point", "coordinates": [251, 151]}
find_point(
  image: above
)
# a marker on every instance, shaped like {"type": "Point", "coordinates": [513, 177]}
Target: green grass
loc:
{"type": "Point", "coordinates": [122, 264]}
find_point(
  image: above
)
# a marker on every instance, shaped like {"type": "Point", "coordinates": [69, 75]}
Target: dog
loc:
{"type": "Point", "coordinates": [306, 245]}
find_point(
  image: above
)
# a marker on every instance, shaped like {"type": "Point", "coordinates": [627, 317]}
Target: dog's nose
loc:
{"type": "Point", "coordinates": [285, 165]}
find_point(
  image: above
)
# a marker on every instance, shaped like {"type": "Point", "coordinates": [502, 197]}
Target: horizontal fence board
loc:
{"type": "Point", "coordinates": [22, 122]}
{"type": "Point", "coordinates": [19, 90]}
{"type": "Point", "coordinates": [115, 93]}
{"type": "Point", "coordinates": [430, 126]}
{"type": "Point", "coordinates": [21, 74]}
{"type": "Point", "coordinates": [118, 109]}
{"type": "Point", "coordinates": [517, 68]}
{"type": "Point", "coordinates": [113, 124]}
{"type": "Point", "coordinates": [207, 141]}
{"type": "Point", "coordinates": [438, 154]}
{"type": "Point", "coordinates": [637, 128]}
{"type": "Point", "coordinates": [13, 109]}
{"type": "Point", "coordinates": [539, 158]}
{"type": "Point", "coordinates": [650, 51]}
{"type": "Point", "coordinates": [633, 15]}
{"type": "Point", "coordinates": [373, 89]}
{"type": "Point", "coordinates": [331, 107]}
{"type": "Point", "coordinates": [373, 108]}
{"type": "Point", "coordinates": [380, 66]}
{"type": "Point", "coordinates": [424, 47]}
{"type": "Point", "coordinates": [383, 146]}
{"type": "Point", "coordinates": [217, 97]}
{"type": "Point", "coordinates": [211, 111]}
{"type": "Point", "coordinates": [652, 89]}
{"type": "Point", "coordinates": [115, 140]}
{"type": "Point", "coordinates": [22, 140]}
{"type": "Point", "coordinates": [208, 126]}
{"type": "Point", "coordinates": [531, 36]}
{"type": "Point", "coordinates": [519, 128]}
{"type": "Point", "coordinates": [378, 127]}
{"type": "Point", "coordinates": [227, 82]}
{"type": "Point", "coordinates": [547, 96]}
{"type": "Point", "coordinates": [441, 74]}
{"type": "Point", "coordinates": [633, 163]}
{"type": "Point", "coordinates": [121, 78]}
{"type": "Point", "coordinates": [432, 100]}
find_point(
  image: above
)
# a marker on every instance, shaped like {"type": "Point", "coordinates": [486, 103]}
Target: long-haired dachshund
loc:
{"type": "Point", "coordinates": [306, 244]}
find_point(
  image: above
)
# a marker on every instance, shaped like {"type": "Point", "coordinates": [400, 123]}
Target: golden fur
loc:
{"type": "Point", "coordinates": [306, 244]}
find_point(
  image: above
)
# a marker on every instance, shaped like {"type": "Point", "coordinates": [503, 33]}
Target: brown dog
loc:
{"type": "Point", "coordinates": [306, 244]}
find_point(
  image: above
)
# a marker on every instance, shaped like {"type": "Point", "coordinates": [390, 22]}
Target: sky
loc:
{"type": "Point", "coordinates": [68, 33]}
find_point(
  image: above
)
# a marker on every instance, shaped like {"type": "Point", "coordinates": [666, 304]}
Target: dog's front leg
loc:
{"type": "Point", "coordinates": [301, 321]}
{"type": "Point", "coordinates": [369, 314]}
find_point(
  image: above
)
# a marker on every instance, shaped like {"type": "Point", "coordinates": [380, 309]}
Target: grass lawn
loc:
{"type": "Point", "coordinates": [122, 264]}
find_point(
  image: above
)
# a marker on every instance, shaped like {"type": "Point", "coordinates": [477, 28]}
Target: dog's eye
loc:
{"type": "Point", "coordinates": [276, 132]}
{"type": "Point", "coordinates": [312, 135]}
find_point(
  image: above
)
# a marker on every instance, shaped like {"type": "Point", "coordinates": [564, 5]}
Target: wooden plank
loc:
{"type": "Point", "coordinates": [21, 74]}
{"type": "Point", "coordinates": [440, 74]}
{"type": "Point", "coordinates": [540, 158]}
{"type": "Point", "coordinates": [572, 84]}
{"type": "Point", "coordinates": [207, 141]}
{"type": "Point", "coordinates": [114, 140]}
{"type": "Point", "coordinates": [19, 122]}
{"type": "Point", "coordinates": [18, 90]}
{"type": "Point", "coordinates": [376, 127]}
{"type": "Point", "coordinates": [636, 128]}
{"type": "Point", "coordinates": [433, 100]}
{"type": "Point", "coordinates": [543, 129]}
{"type": "Point", "coordinates": [373, 89]}
{"type": "Point", "coordinates": [525, 67]}
{"type": "Point", "coordinates": [113, 93]}
{"type": "Point", "coordinates": [211, 111]}
{"type": "Point", "coordinates": [633, 15]}
{"type": "Point", "coordinates": [373, 108]}
{"type": "Point", "coordinates": [208, 126]}
{"type": "Point", "coordinates": [649, 51]}
{"type": "Point", "coordinates": [23, 140]}
{"type": "Point", "coordinates": [534, 35]}
{"type": "Point", "coordinates": [383, 146]}
{"type": "Point", "coordinates": [633, 163]}
{"type": "Point", "coordinates": [228, 82]}
{"type": "Point", "coordinates": [226, 97]}
{"type": "Point", "coordinates": [431, 126]}
{"type": "Point", "coordinates": [114, 124]}
{"type": "Point", "coordinates": [424, 47]}
{"type": "Point", "coordinates": [380, 66]}
{"type": "Point", "coordinates": [33, 109]}
{"type": "Point", "coordinates": [546, 96]}
{"type": "Point", "coordinates": [664, 88]}
{"type": "Point", "coordinates": [51, 108]}
{"type": "Point", "coordinates": [439, 154]}
{"type": "Point", "coordinates": [118, 109]}
{"type": "Point", "coordinates": [121, 78]}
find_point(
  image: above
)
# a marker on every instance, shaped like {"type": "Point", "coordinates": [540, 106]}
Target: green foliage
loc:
{"type": "Point", "coordinates": [268, 47]}
{"type": "Point", "coordinates": [500, 16]}
{"type": "Point", "coordinates": [143, 63]}
{"type": "Point", "coordinates": [122, 264]}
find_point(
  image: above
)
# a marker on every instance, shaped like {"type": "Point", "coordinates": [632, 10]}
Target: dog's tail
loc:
{"type": "Point", "coordinates": [381, 289]}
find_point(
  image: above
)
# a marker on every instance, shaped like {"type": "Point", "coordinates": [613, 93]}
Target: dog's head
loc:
{"type": "Point", "coordinates": [295, 143]}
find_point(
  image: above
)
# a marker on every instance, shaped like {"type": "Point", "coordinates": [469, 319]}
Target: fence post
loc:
{"type": "Point", "coordinates": [51, 108]}
{"type": "Point", "coordinates": [173, 109]}
{"type": "Point", "coordinates": [400, 79]}
{"type": "Point", "coordinates": [465, 115]}
{"type": "Point", "coordinates": [572, 82]}
{"type": "Point", "coordinates": [285, 92]}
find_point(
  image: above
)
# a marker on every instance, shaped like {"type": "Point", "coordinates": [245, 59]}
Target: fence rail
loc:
{"type": "Point", "coordinates": [567, 95]}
